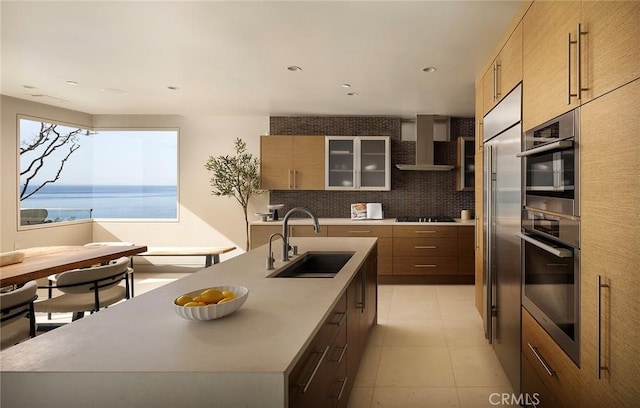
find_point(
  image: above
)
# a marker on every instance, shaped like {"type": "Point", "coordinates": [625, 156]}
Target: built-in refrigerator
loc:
{"type": "Point", "coordinates": [502, 215]}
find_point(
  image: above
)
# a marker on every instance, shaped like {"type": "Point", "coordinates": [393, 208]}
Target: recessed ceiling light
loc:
{"type": "Point", "coordinates": [352, 93]}
{"type": "Point", "coordinates": [294, 68]}
{"type": "Point", "coordinates": [346, 85]}
{"type": "Point", "coordinates": [72, 83]}
{"type": "Point", "coordinates": [28, 87]}
{"type": "Point", "coordinates": [173, 88]}
{"type": "Point", "coordinates": [114, 91]}
{"type": "Point", "coordinates": [429, 69]}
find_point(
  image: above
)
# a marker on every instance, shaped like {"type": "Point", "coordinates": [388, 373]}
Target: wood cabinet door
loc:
{"type": "Point", "coordinates": [276, 165]}
{"type": "Point", "coordinates": [308, 162]}
{"type": "Point", "coordinates": [479, 114]}
{"type": "Point", "coordinates": [610, 238]}
{"type": "Point", "coordinates": [510, 64]}
{"type": "Point", "coordinates": [489, 99]}
{"type": "Point", "coordinates": [546, 71]}
{"type": "Point", "coordinates": [611, 45]}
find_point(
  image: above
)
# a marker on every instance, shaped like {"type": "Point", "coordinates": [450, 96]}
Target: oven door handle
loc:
{"type": "Point", "coordinates": [559, 252]}
{"type": "Point", "coordinates": [560, 144]}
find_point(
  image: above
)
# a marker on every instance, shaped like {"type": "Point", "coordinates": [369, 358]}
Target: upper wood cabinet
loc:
{"type": "Point", "coordinates": [548, 74]}
{"type": "Point", "coordinates": [465, 168]}
{"type": "Point", "coordinates": [479, 114]}
{"type": "Point", "coordinates": [575, 52]}
{"type": "Point", "coordinates": [610, 238]}
{"type": "Point", "coordinates": [292, 162]}
{"type": "Point", "coordinates": [358, 163]}
{"type": "Point", "coordinates": [610, 47]}
{"type": "Point", "coordinates": [505, 72]}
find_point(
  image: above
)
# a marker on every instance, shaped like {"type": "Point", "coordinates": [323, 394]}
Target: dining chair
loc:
{"type": "Point", "coordinates": [86, 289]}
{"type": "Point", "coordinates": [130, 289]}
{"type": "Point", "coordinates": [17, 321]}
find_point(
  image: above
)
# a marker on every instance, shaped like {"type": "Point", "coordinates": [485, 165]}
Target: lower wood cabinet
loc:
{"type": "Point", "coordinates": [546, 369]}
{"type": "Point", "coordinates": [323, 377]}
{"type": "Point", "coordinates": [433, 254]}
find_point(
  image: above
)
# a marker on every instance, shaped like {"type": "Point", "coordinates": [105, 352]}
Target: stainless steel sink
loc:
{"type": "Point", "coordinates": [315, 265]}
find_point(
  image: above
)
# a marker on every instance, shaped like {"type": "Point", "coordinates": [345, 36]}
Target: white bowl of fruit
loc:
{"type": "Point", "coordinates": [210, 303]}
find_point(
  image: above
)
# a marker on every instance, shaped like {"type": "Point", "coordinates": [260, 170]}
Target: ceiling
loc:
{"type": "Point", "coordinates": [231, 58]}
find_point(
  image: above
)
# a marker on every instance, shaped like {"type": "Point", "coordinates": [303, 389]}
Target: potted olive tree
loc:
{"type": "Point", "coordinates": [236, 176]}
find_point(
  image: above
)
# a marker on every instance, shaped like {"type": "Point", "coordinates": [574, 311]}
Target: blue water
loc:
{"type": "Point", "coordinates": [69, 202]}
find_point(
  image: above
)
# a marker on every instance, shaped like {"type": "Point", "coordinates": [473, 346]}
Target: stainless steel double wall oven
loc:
{"type": "Point", "coordinates": [551, 229]}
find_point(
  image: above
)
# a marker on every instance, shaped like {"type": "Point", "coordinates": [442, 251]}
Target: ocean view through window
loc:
{"type": "Point", "coordinates": [69, 173]}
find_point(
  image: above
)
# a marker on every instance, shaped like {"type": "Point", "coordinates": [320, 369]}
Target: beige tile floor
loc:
{"type": "Point", "coordinates": [428, 350]}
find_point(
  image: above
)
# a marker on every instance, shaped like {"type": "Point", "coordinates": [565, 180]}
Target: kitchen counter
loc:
{"type": "Point", "coordinates": [349, 221]}
{"type": "Point", "coordinates": [140, 353]}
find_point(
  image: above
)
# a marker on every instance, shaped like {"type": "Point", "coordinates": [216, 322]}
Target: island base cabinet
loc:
{"type": "Point", "coordinates": [323, 377]}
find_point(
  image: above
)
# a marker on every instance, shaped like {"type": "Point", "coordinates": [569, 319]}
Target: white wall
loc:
{"type": "Point", "coordinates": [204, 219]}
{"type": "Point", "coordinates": [41, 235]}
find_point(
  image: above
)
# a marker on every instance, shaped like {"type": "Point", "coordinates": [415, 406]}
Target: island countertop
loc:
{"type": "Point", "coordinates": [143, 343]}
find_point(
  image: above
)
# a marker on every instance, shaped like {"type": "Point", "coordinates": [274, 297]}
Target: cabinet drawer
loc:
{"type": "Point", "coordinates": [432, 231]}
{"type": "Point", "coordinates": [306, 231]}
{"type": "Point", "coordinates": [437, 265]}
{"type": "Point", "coordinates": [554, 368]}
{"type": "Point", "coordinates": [425, 247]}
{"type": "Point", "coordinates": [385, 246]}
{"type": "Point", "coordinates": [533, 389]}
{"type": "Point", "coordinates": [359, 231]}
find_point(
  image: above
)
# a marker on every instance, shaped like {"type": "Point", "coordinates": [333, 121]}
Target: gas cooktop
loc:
{"type": "Point", "coordinates": [439, 218]}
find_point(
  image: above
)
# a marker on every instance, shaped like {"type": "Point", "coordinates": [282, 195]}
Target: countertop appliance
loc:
{"type": "Point", "coordinates": [439, 218]}
{"type": "Point", "coordinates": [502, 196]}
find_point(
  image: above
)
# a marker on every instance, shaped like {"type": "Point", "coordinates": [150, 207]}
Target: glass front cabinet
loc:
{"type": "Point", "coordinates": [358, 163]}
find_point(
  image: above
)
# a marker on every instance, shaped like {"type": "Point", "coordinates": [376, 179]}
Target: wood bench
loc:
{"type": "Point", "coordinates": [211, 254]}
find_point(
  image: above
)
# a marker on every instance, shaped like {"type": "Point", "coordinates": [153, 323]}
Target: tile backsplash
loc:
{"type": "Point", "coordinates": [412, 192]}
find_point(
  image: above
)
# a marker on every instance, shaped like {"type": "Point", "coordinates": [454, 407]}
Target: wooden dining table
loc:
{"type": "Point", "coordinates": [41, 262]}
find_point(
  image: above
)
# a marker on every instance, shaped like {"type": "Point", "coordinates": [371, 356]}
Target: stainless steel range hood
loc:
{"type": "Point", "coordinates": [426, 126]}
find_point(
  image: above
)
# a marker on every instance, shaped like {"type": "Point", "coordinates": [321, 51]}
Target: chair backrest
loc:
{"type": "Point", "coordinates": [17, 303]}
{"type": "Point", "coordinates": [80, 281]}
{"type": "Point", "coordinates": [31, 216]}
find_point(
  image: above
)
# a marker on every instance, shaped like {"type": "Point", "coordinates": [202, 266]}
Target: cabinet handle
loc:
{"type": "Point", "coordinates": [339, 322]}
{"type": "Point", "coordinates": [541, 360]}
{"type": "Point", "coordinates": [305, 386]}
{"type": "Point", "coordinates": [290, 185]}
{"type": "Point", "coordinates": [495, 76]}
{"type": "Point", "coordinates": [425, 266]}
{"type": "Point", "coordinates": [495, 82]}
{"type": "Point", "coordinates": [425, 247]}
{"type": "Point", "coordinates": [359, 232]}
{"type": "Point", "coordinates": [578, 43]}
{"type": "Point", "coordinates": [342, 354]}
{"type": "Point", "coordinates": [295, 179]}
{"type": "Point", "coordinates": [599, 286]}
{"type": "Point", "coordinates": [344, 383]}
{"type": "Point", "coordinates": [475, 233]}
{"type": "Point", "coordinates": [425, 232]}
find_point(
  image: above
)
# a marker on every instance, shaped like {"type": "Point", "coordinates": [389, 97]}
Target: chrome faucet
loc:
{"type": "Point", "coordinates": [270, 253]}
{"type": "Point", "coordinates": [285, 230]}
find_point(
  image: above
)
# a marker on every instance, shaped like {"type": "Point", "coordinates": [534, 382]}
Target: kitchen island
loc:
{"type": "Point", "coordinates": [139, 353]}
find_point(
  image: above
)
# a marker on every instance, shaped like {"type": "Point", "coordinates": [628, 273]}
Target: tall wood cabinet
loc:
{"type": "Point", "coordinates": [546, 72]}
{"type": "Point", "coordinates": [610, 242]}
{"type": "Point", "coordinates": [611, 45]}
{"type": "Point", "coordinates": [292, 162]}
{"type": "Point", "coordinates": [563, 67]}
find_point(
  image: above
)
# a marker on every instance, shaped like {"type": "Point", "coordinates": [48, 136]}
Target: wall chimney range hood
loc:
{"type": "Point", "coordinates": [429, 128]}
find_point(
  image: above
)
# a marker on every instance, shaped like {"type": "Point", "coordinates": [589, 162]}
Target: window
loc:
{"type": "Point", "coordinates": [69, 173]}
